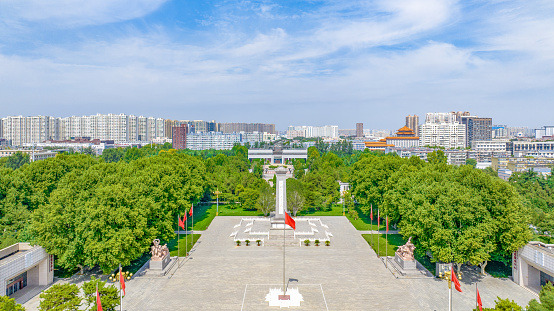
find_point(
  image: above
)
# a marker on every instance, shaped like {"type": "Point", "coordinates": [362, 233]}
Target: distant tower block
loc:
{"type": "Point", "coordinates": [412, 122]}
{"type": "Point", "coordinates": [359, 130]}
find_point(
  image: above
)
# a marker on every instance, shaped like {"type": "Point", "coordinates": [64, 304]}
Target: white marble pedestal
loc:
{"type": "Point", "coordinates": [274, 301]}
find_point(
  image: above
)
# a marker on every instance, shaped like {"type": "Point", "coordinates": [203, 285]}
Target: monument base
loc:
{"type": "Point", "coordinates": [291, 298]}
{"type": "Point", "coordinates": [279, 224]}
{"type": "Point", "coordinates": [405, 264]}
{"type": "Point", "coordinates": [159, 264]}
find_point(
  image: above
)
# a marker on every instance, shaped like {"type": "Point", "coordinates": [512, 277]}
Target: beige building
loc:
{"type": "Point", "coordinates": [24, 268]}
{"type": "Point", "coordinates": [521, 164]}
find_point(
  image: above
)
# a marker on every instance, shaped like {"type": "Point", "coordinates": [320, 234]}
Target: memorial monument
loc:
{"type": "Point", "coordinates": [404, 256]}
{"type": "Point", "coordinates": [160, 255]}
{"type": "Point", "coordinates": [278, 217]}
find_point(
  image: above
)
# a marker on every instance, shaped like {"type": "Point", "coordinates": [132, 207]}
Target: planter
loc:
{"type": "Point", "coordinates": [259, 242]}
{"type": "Point", "coordinates": [316, 242]}
{"type": "Point", "coordinates": [247, 242]}
{"type": "Point", "coordinates": [307, 242]}
{"type": "Point", "coordinates": [327, 243]}
{"type": "Point", "coordinates": [238, 243]}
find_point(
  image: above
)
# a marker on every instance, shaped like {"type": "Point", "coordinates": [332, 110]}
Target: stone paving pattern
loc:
{"type": "Point", "coordinates": [347, 273]}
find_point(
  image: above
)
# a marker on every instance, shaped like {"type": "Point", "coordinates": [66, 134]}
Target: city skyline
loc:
{"type": "Point", "coordinates": [285, 63]}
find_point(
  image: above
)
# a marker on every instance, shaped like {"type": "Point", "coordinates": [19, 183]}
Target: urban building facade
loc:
{"type": "Point", "coordinates": [477, 129]}
{"type": "Point", "coordinates": [442, 130]}
{"type": "Point", "coordinates": [23, 265]}
{"type": "Point", "coordinates": [212, 140]}
{"type": "Point", "coordinates": [179, 134]}
{"type": "Point", "coordinates": [330, 131]}
{"type": "Point", "coordinates": [412, 122]}
{"type": "Point", "coordinates": [405, 138]}
{"type": "Point", "coordinates": [359, 130]}
{"type": "Point", "coordinates": [246, 127]}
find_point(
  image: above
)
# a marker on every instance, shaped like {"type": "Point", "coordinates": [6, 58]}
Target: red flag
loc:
{"type": "Point", "coordinates": [98, 301]}
{"type": "Point", "coordinates": [190, 212]}
{"type": "Point", "coordinates": [455, 280]}
{"type": "Point", "coordinates": [378, 221]}
{"type": "Point", "coordinates": [371, 213]}
{"type": "Point", "coordinates": [387, 223]}
{"type": "Point", "coordinates": [185, 217]}
{"type": "Point", "coordinates": [479, 303]}
{"type": "Point", "coordinates": [122, 279]}
{"type": "Point", "coordinates": [181, 223]}
{"type": "Point", "coordinates": [289, 221]}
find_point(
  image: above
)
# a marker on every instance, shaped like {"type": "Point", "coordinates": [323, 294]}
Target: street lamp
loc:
{"type": "Point", "coordinates": [447, 275]}
{"type": "Point", "coordinates": [115, 277]}
{"type": "Point", "coordinates": [217, 193]}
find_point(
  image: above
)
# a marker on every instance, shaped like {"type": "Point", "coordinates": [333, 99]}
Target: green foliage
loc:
{"type": "Point", "coordinates": [437, 157]}
{"type": "Point", "coordinates": [459, 214]}
{"type": "Point", "coordinates": [9, 304]}
{"type": "Point", "coordinates": [60, 297]}
{"type": "Point", "coordinates": [546, 297]}
{"type": "Point", "coordinates": [17, 160]}
{"type": "Point", "coordinates": [266, 200]}
{"type": "Point", "coordinates": [353, 214]}
{"type": "Point", "coordinates": [113, 154]}
{"type": "Point", "coordinates": [110, 213]}
{"type": "Point", "coordinates": [538, 196]}
{"type": "Point", "coordinates": [295, 195]}
{"type": "Point", "coordinates": [471, 162]}
{"type": "Point", "coordinates": [109, 295]}
{"type": "Point", "coordinates": [503, 305]}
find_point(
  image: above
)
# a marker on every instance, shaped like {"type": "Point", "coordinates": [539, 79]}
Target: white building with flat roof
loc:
{"type": "Point", "coordinates": [24, 267]}
{"type": "Point", "coordinates": [533, 265]}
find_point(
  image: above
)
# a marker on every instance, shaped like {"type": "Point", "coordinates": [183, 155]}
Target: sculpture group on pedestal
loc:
{"type": "Point", "coordinates": [406, 251]}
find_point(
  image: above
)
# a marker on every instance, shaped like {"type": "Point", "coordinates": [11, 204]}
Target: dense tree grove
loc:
{"type": "Point", "coordinates": [537, 193]}
{"type": "Point", "coordinates": [455, 214]}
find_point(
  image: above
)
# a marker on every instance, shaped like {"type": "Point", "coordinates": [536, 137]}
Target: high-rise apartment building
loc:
{"type": "Point", "coordinates": [359, 130]}
{"type": "Point", "coordinates": [179, 136]}
{"type": "Point", "coordinates": [246, 127]}
{"type": "Point", "coordinates": [442, 129]}
{"type": "Point", "coordinates": [460, 114]}
{"type": "Point", "coordinates": [21, 130]}
{"type": "Point", "coordinates": [412, 122]}
{"type": "Point", "coordinates": [477, 129]}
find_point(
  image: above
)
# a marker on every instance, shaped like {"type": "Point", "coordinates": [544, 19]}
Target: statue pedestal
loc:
{"type": "Point", "coordinates": [405, 264]}
{"type": "Point", "coordinates": [159, 264]}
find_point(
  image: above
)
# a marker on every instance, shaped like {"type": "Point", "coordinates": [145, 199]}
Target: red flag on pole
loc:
{"type": "Point", "coordinates": [371, 213]}
{"type": "Point", "coordinates": [185, 217]}
{"type": "Point", "coordinates": [98, 301]}
{"type": "Point", "coordinates": [289, 221]}
{"type": "Point", "coordinates": [455, 280]}
{"type": "Point", "coordinates": [190, 212]}
{"type": "Point", "coordinates": [387, 223]}
{"type": "Point", "coordinates": [378, 221]}
{"type": "Point", "coordinates": [479, 303]}
{"type": "Point", "coordinates": [181, 223]}
{"type": "Point", "coordinates": [122, 278]}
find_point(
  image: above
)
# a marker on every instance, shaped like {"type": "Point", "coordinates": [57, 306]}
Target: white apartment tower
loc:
{"type": "Point", "coordinates": [21, 130]}
{"type": "Point", "coordinates": [442, 129]}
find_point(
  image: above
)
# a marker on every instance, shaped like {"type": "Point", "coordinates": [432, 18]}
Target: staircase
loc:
{"type": "Point", "coordinates": [276, 238]}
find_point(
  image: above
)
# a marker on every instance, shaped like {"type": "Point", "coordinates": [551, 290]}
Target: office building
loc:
{"type": "Point", "coordinates": [477, 129]}
{"type": "Point", "coordinates": [23, 265]}
{"type": "Point", "coordinates": [442, 130]}
{"type": "Point", "coordinates": [412, 122]}
{"type": "Point", "coordinates": [359, 130]}
{"type": "Point", "coordinates": [212, 140]}
{"type": "Point", "coordinates": [246, 127]}
{"type": "Point", "coordinates": [179, 136]}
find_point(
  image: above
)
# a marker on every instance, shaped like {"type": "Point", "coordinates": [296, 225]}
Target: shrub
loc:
{"type": "Point", "coordinates": [238, 243]}
{"type": "Point", "coordinates": [259, 242]}
{"type": "Point", "coordinates": [316, 242]}
{"type": "Point", "coordinates": [307, 242]}
{"type": "Point", "coordinates": [247, 242]}
{"type": "Point", "coordinates": [327, 243]}
{"type": "Point", "coordinates": [353, 214]}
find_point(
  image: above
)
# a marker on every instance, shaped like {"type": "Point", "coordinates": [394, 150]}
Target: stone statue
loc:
{"type": "Point", "coordinates": [158, 252]}
{"type": "Point", "coordinates": [406, 251]}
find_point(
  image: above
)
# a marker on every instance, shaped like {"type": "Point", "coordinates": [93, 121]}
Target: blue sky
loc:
{"type": "Point", "coordinates": [282, 62]}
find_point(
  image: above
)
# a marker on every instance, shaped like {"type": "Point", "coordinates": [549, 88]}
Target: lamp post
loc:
{"type": "Point", "coordinates": [115, 278]}
{"type": "Point", "coordinates": [447, 275]}
{"type": "Point", "coordinates": [217, 193]}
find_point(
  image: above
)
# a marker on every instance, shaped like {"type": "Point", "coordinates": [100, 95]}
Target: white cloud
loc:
{"type": "Point", "coordinates": [68, 13]}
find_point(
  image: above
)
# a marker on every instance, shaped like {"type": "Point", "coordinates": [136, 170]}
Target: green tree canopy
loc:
{"type": "Point", "coordinates": [60, 297]}
{"type": "Point", "coordinates": [9, 304]}
{"type": "Point", "coordinates": [17, 160]}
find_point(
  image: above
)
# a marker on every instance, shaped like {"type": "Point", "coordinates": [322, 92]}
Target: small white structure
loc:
{"type": "Point", "coordinates": [23, 265]}
{"type": "Point", "coordinates": [533, 265]}
{"type": "Point", "coordinates": [294, 298]}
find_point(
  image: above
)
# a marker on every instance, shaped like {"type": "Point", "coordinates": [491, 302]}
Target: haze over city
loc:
{"type": "Point", "coordinates": [309, 62]}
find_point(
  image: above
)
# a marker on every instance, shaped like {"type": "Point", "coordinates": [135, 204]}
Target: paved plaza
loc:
{"type": "Point", "coordinates": [344, 276]}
